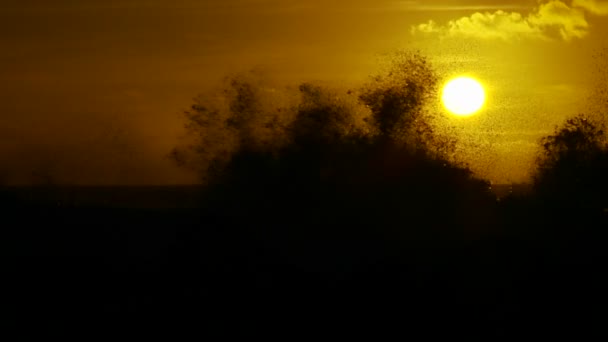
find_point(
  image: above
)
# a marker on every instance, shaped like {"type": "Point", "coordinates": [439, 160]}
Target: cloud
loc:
{"type": "Point", "coordinates": [593, 6]}
{"type": "Point", "coordinates": [550, 20]}
{"type": "Point", "coordinates": [498, 25]}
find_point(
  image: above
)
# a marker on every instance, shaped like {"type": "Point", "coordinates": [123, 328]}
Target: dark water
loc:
{"type": "Point", "coordinates": [150, 197]}
{"type": "Point", "coordinates": [105, 259]}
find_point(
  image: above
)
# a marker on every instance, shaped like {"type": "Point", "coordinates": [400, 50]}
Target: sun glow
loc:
{"type": "Point", "coordinates": [463, 96]}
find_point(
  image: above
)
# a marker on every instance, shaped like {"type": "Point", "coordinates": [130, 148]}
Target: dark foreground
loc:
{"type": "Point", "coordinates": [100, 268]}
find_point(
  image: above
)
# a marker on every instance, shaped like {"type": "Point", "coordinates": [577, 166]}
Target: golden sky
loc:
{"type": "Point", "coordinates": [92, 89]}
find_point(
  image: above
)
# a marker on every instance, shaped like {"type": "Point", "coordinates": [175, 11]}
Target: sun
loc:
{"type": "Point", "coordinates": [463, 96]}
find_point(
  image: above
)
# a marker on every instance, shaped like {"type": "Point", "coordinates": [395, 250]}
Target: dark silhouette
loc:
{"type": "Point", "coordinates": [374, 159]}
{"type": "Point", "coordinates": [573, 166]}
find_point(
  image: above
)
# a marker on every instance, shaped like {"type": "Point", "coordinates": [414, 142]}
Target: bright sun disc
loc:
{"type": "Point", "coordinates": [463, 96]}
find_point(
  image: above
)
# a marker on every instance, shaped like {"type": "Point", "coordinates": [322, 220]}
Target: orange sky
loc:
{"type": "Point", "coordinates": [92, 89]}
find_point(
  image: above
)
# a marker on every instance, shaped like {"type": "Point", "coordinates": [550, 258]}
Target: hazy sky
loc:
{"type": "Point", "coordinates": [92, 90]}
